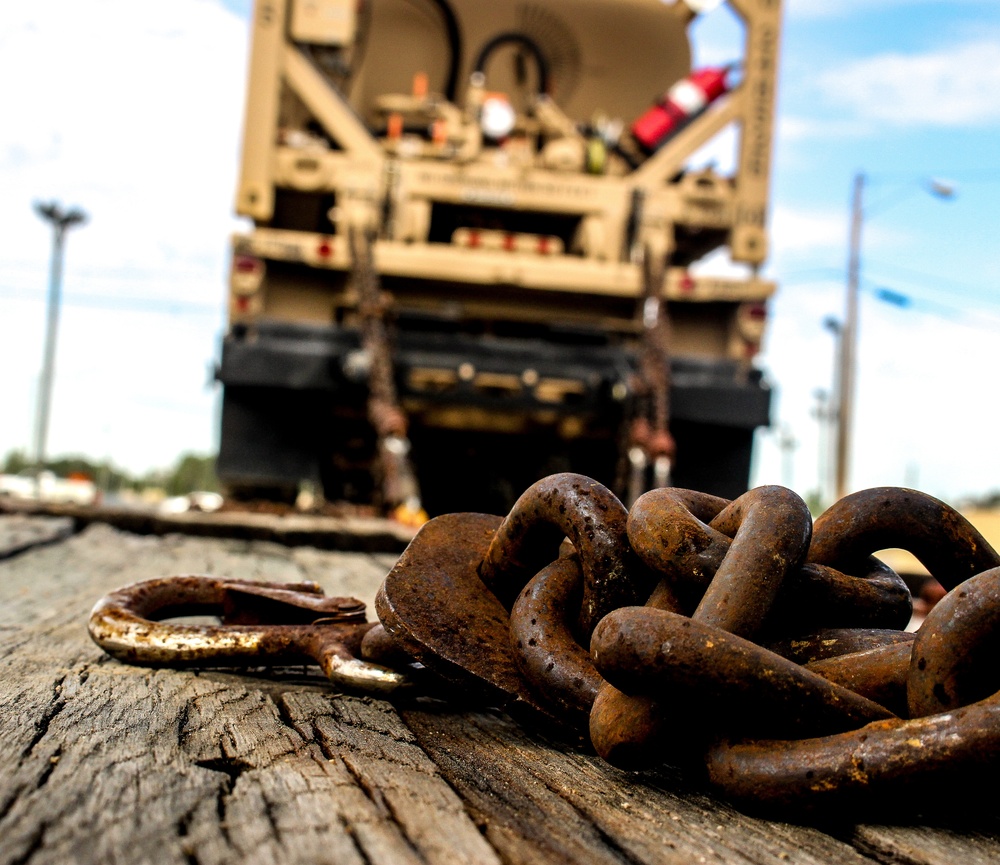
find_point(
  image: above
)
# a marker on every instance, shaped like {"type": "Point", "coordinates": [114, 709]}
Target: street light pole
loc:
{"type": "Point", "coordinates": [849, 340]}
{"type": "Point", "coordinates": [61, 221]}
{"type": "Point", "coordinates": [849, 330]}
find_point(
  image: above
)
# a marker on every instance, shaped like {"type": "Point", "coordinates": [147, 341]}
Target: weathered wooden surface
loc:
{"type": "Point", "coordinates": [354, 533]}
{"type": "Point", "coordinates": [20, 533]}
{"type": "Point", "coordinates": [102, 762]}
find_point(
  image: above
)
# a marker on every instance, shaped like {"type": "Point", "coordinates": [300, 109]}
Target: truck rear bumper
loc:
{"type": "Point", "coordinates": [486, 372]}
{"type": "Point", "coordinates": [294, 398]}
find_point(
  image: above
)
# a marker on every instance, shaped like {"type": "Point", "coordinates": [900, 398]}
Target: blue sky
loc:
{"type": "Point", "coordinates": [904, 92]}
{"type": "Point", "coordinates": [139, 124]}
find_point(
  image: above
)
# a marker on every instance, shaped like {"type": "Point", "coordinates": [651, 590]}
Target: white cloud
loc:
{"type": "Point", "coordinates": [845, 8]}
{"type": "Point", "coordinates": [954, 86]}
{"type": "Point", "coordinates": [797, 130]}
{"type": "Point", "coordinates": [795, 231]}
{"type": "Point", "coordinates": [719, 153]}
{"type": "Point", "coordinates": [138, 123]}
{"type": "Point", "coordinates": [131, 111]}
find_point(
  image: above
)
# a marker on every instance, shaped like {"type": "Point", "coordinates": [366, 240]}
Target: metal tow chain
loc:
{"type": "Point", "coordinates": [739, 639]}
{"type": "Point", "coordinates": [399, 489]}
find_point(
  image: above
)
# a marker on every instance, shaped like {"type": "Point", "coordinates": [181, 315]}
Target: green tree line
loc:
{"type": "Point", "coordinates": [191, 472]}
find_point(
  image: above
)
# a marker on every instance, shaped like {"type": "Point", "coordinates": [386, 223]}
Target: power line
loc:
{"type": "Point", "coordinates": [966, 174]}
{"type": "Point", "coordinates": [987, 295]}
{"type": "Point", "coordinates": [122, 304]}
{"type": "Point", "coordinates": [952, 314]}
{"type": "Point", "coordinates": [824, 276]}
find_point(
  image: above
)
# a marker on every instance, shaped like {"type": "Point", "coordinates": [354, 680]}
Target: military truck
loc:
{"type": "Point", "coordinates": [476, 230]}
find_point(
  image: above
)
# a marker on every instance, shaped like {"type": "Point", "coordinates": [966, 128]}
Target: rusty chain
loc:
{"type": "Point", "coordinates": [739, 640]}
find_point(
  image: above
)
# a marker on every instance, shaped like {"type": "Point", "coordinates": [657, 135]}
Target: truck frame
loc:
{"type": "Point", "coordinates": [451, 211]}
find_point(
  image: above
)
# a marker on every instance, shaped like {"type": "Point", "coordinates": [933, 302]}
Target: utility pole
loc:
{"type": "Point", "coordinates": [830, 421]}
{"type": "Point", "coordinates": [849, 330]}
{"type": "Point", "coordinates": [849, 341]}
{"type": "Point", "coordinates": [787, 443]}
{"type": "Point", "coordinates": [824, 414]}
{"type": "Point", "coordinates": [61, 221]}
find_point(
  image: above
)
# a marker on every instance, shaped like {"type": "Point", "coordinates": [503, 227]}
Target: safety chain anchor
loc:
{"type": "Point", "coordinates": [738, 640]}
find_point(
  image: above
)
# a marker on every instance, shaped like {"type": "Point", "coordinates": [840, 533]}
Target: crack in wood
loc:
{"type": "Point", "coordinates": [231, 768]}
{"type": "Point", "coordinates": [43, 779]}
{"type": "Point", "coordinates": [10, 801]}
{"type": "Point", "coordinates": [272, 820]}
{"type": "Point", "coordinates": [373, 794]}
{"type": "Point", "coordinates": [351, 833]}
{"type": "Point", "coordinates": [231, 771]}
{"type": "Point", "coordinates": [183, 720]}
{"type": "Point", "coordinates": [286, 718]}
{"type": "Point", "coordinates": [476, 818]}
{"type": "Point", "coordinates": [35, 843]}
{"type": "Point", "coordinates": [221, 806]}
{"type": "Point", "coordinates": [188, 847]}
{"type": "Point", "coordinates": [20, 535]}
{"type": "Point", "coordinates": [42, 724]}
{"type": "Point", "coordinates": [588, 819]}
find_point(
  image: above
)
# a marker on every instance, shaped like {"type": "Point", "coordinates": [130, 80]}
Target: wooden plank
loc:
{"type": "Point", "coordinates": [929, 845]}
{"type": "Point", "coordinates": [349, 532]}
{"type": "Point", "coordinates": [561, 804]}
{"type": "Point", "coordinates": [104, 762]}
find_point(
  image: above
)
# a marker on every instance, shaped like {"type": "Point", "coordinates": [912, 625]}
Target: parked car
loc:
{"type": "Point", "coordinates": [48, 487]}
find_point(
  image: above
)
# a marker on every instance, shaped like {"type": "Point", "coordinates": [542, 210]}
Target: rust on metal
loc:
{"type": "Point", "coordinates": [944, 541]}
{"type": "Point", "coordinates": [879, 673]}
{"type": "Point", "coordinates": [304, 626]}
{"type": "Point", "coordinates": [770, 528]}
{"type": "Point", "coordinates": [636, 732]}
{"type": "Point", "coordinates": [901, 763]}
{"type": "Point", "coordinates": [586, 512]}
{"type": "Point", "coordinates": [819, 596]}
{"type": "Point", "coordinates": [954, 654]}
{"type": "Point", "coordinates": [435, 604]}
{"type": "Point", "coordinates": [831, 642]}
{"type": "Point", "coordinates": [653, 653]}
{"type": "Point", "coordinates": [685, 536]}
{"type": "Point", "coordinates": [541, 630]}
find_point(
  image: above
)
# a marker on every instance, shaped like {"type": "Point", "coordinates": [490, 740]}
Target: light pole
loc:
{"type": "Point", "coordinates": [849, 329]}
{"type": "Point", "coordinates": [848, 341]}
{"type": "Point", "coordinates": [831, 421]}
{"type": "Point", "coordinates": [61, 221]}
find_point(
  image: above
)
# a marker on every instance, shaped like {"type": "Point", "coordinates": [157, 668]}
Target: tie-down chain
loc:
{"type": "Point", "coordinates": [736, 639]}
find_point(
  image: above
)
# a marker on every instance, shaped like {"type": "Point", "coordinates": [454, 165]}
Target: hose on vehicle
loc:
{"type": "Point", "coordinates": [524, 41]}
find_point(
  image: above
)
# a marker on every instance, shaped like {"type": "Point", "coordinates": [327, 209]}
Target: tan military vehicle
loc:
{"type": "Point", "coordinates": [474, 225]}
